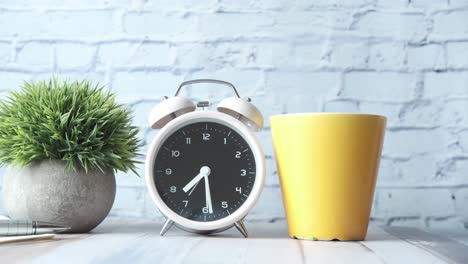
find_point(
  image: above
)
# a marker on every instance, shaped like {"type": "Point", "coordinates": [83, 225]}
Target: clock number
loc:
{"type": "Point", "coordinates": [225, 141]}
{"type": "Point", "coordinates": [185, 202]}
{"type": "Point", "coordinates": [175, 153]}
{"type": "Point", "coordinates": [188, 141]}
{"type": "Point", "coordinates": [239, 189]}
{"type": "Point", "coordinates": [243, 172]}
{"type": "Point", "coordinates": [173, 189]}
{"type": "Point", "coordinates": [238, 154]}
{"type": "Point", "coordinates": [224, 204]}
{"type": "Point", "coordinates": [168, 171]}
{"type": "Point", "coordinates": [205, 210]}
{"type": "Point", "coordinates": [206, 136]}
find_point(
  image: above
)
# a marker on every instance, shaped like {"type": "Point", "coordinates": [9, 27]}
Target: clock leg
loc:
{"type": "Point", "coordinates": [167, 225]}
{"type": "Point", "coordinates": [241, 227]}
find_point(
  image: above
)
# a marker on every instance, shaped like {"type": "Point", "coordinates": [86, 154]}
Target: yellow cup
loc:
{"type": "Point", "coordinates": [328, 165]}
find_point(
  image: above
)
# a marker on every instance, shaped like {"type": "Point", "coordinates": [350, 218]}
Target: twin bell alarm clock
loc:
{"type": "Point", "coordinates": [205, 169]}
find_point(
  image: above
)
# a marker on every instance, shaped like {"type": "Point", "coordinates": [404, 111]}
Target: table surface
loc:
{"type": "Point", "coordinates": [138, 241]}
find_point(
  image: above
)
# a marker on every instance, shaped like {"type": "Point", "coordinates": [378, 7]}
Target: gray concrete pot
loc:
{"type": "Point", "coordinates": [47, 191]}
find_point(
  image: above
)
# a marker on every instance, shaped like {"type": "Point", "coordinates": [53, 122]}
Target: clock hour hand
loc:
{"type": "Point", "coordinates": [204, 171]}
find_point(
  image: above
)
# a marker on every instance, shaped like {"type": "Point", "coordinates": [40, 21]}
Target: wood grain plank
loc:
{"type": "Point", "coordinates": [138, 241]}
{"type": "Point", "coordinates": [337, 252]}
{"type": "Point", "coordinates": [445, 248]}
{"type": "Point", "coordinates": [392, 249]}
{"type": "Point", "coordinates": [266, 244]}
{"type": "Point", "coordinates": [457, 235]}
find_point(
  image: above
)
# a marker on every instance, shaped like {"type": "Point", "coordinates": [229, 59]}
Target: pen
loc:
{"type": "Point", "coordinates": [25, 228]}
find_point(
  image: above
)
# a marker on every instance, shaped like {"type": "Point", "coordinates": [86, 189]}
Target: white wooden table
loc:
{"type": "Point", "coordinates": [136, 241]}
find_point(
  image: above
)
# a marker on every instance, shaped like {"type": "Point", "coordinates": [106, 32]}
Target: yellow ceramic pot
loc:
{"type": "Point", "coordinates": [328, 166]}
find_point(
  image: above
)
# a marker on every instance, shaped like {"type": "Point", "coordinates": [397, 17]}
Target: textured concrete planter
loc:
{"type": "Point", "coordinates": [47, 191]}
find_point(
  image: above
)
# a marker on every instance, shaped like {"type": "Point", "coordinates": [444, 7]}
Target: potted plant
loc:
{"type": "Point", "coordinates": [63, 141]}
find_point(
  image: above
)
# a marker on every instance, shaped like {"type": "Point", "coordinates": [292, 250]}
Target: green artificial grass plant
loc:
{"type": "Point", "coordinates": [77, 122]}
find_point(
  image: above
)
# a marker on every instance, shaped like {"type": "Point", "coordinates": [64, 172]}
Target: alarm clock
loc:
{"type": "Point", "coordinates": [205, 169]}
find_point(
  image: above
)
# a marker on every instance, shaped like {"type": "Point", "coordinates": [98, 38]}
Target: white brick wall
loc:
{"type": "Point", "coordinates": [406, 59]}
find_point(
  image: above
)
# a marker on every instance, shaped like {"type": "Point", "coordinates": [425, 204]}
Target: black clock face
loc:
{"type": "Point", "coordinates": [204, 171]}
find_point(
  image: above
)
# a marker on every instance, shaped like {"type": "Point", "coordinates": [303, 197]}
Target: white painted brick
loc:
{"type": "Point", "coordinates": [197, 55]}
{"type": "Point", "coordinates": [452, 170]}
{"type": "Point", "coordinates": [95, 77]}
{"type": "Point", "coordinates": [156, 24]}
{"type": "Point", "coordinates": [446, 84]}
{"type": "Point", "coordinates": [374, 86]}
{"type": "Point", "coordinates": [416, 141]}
{"type": "Point", "coordinates": [457, 55]}
{"type": "Point", "coordinates": [455, 113]}
{"type": "Point", "coordinates": [129, 202]}
{"type": "Point", "coordinates": [35, 55]}
{"type": "Point", "coordinates": [305, 4]}
{"type": "Point", "coordinates": [135, 54]}
{"type": "Point", "coordinates": [389, 173]}
{"type": "Point", "coordinates": [267, 104]}
{"type": "Point", "coordinates": [28, 23]}
{"type": "Point", "coordinates": [346, 106]}
{"type": "Point", "coordinates": [131, 86]}
{"type": "Point", "coordinates": [141, 112]}
{"type": "Point", "coordinates": [315, 20]}
{"type": "Point", "coordinates": [415, 222]}
{"type": "Point", "coordinates": [209, 56]}
{"type": "Point", "coordinates": [350, 55]}
{"type": "Point", "coordinates": [169, 5]}
{"type": "Point", "coordinates": [419, 170]}
{"type": "Point", "coordinates": [249, 5]}
{"type": "Point", "coordinates": [56, 4]}
{"type": "Point", "coordinates": [5, 52]}
{"type": "Point", "coordinates": [269, 206]}
{"type": "Point", "coordinates": [13, 80]}
{"type": "Point", "coordinates": [130, 179]}
{"type": "Point", "coordinates": [451, 24]}
{"type": "Point", "coordinates": [426, 57]}
{"type": "Point", "coordinates": [272, 176]}
{"type": "Point", "coordinates": [303, 90]}
{"type": "Point", "coordinates": [309, 54]}
{"type": "Point", "coordinates": [393, 25]}
{"type": "Point", "coordinates": [309, 83]}
{"type": "Point", "coordinates": [151, 211]}
{"type": "Point", "coordinates": [422, 113]}
{"type": "Point", "coordinates": [458, 3]}
{"type": "Point", "coordinates": [387, 56]}
{"type": "Point", "coordinates": [86, 23]}
{"type": "Point", "coordinates": [392, 3]}
{"type": "Point", "coordinates": [389, 110]}
{"type": "Point", "coordinates": [430, 202]}
{"type": "Point", "coordinates": [228, 25]}
{"type": "Point", "coordinates": [446, 223]}
{"type": "Point", "coordinates": [463, 140]}
{"type": "Point", "coordinates": [429, 4]}
{"type": "Point", "coordinates": [70, 56]}
{"type": "Point", "coordinates": [461, 200]}
{"type": "Point", "coordinates": [247, 83]}
{"type": "Point", "coordinates": [72, 23]}
{"type": "Point", "coordinates": [264, 136]}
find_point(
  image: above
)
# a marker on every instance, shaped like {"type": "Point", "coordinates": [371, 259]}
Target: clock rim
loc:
{"type": "Point", "coordinates": [244, 132]}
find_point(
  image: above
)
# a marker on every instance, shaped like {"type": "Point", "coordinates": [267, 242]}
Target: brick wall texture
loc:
{"type": "Point", "coordinates": [405, 59]}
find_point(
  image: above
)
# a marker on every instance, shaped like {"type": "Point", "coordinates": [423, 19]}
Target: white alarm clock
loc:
{"type": "Point", "coordinates": [205, 169]}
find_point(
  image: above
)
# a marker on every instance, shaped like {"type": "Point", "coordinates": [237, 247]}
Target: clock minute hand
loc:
{"type": "Point", "coordinates": [208, 195]}
{"type": "Point", "coordinates": [204, 171]}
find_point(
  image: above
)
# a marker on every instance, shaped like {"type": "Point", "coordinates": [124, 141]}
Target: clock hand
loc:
{"type": "Point", "coordinates": [208, 195]}
{"type": "Point", "coordinates": [193, 188]}
{"type": "Point", "coordinates": [205, 170]}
